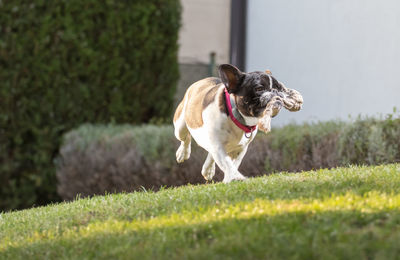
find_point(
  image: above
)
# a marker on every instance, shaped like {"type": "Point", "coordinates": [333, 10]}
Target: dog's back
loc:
{"type": "Point", "coordinates": [197, 98]}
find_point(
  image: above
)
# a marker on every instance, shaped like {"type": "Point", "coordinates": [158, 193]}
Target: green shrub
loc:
{"type": "Point", "coordinates": [370, 141]}
{"type": "Point", "coordinates": [68, 62]}
{"type": "Point", "coordinates": [96, 159]}
{"type": "Point", "coordinates": [335, 143]}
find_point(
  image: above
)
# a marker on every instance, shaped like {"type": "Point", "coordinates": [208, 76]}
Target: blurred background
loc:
{"type": "Point", "coordinates": [88, 88]}
{"type": "Point", "coordinates": [343, 56]}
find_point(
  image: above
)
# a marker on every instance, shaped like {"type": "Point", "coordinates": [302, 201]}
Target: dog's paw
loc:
{"type": "Point", "coordinates": [182, 153]}
{"type": "Point", "coordinates": [208, 173]}
{"type": "Point", "coordinates": [234, 178]}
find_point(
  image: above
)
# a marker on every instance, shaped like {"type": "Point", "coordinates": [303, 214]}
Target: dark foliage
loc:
{"type": "Point", "coordinates": [63, 63]}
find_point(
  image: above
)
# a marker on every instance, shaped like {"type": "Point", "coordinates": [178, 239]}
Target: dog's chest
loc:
{"type": "Point", "coordinates": [235, 141]}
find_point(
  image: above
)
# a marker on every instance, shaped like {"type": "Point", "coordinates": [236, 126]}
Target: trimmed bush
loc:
{"type": "Point", "coordinates": [300, 147]}
{"type": "Point", "coordinates": [68, 62]}
{"type": "Point", "coordinates": [96, 159]}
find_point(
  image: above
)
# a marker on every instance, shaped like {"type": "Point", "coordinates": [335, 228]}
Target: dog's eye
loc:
{"type": "Point", "coordinates": [259, 88]}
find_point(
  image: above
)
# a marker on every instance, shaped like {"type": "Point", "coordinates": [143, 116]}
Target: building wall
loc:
{"type": "Point", "coordinates": [342, 55]}
{"type": "Point", "coordinates": [205, 29]}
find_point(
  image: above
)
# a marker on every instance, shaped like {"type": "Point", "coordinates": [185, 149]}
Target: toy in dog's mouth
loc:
{"type": "Point", "coordinates": [290, 99]}
{"type": "Point", "coordinates": [293, 100]}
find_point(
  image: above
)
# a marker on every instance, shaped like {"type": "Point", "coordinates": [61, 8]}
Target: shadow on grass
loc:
{"type": "Point", "coordinates": [299, 235]}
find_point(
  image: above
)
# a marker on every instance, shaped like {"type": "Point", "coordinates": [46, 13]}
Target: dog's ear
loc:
{"type": "Point", "coordinates": [231, 77]}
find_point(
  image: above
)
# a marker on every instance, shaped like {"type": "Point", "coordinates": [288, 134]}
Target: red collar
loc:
{"type": "Point", "coordinates": [245, 128]}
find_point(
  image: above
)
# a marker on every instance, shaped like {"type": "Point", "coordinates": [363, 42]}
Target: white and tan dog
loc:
{"type": "Point", "coordinates": [223, 116]}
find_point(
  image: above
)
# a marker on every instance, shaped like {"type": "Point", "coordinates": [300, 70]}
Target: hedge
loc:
{"type": "Point", "coordinates": [95, 159]}
{"type": "Point", "coordinates": [67, 62]}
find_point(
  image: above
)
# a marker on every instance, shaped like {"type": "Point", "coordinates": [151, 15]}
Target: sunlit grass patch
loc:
{"type": "Point", "coordinates": [341, 213]}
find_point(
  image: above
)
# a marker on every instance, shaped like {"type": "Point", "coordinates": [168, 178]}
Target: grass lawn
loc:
{"type": "Point", "coordinates": [344, 213]}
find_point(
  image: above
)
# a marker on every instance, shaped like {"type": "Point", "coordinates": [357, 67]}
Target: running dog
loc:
{"type": "Point", "coordinates": [224, 114]}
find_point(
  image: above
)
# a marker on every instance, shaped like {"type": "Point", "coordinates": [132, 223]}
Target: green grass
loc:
{"type": "Point", "coordinates": [344, 213]}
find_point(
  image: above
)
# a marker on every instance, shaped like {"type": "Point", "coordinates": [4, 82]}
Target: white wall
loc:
{"type": "Point", "coordinates": [342, 55]}
{"type": "Point", "coordinates": [205, 29]}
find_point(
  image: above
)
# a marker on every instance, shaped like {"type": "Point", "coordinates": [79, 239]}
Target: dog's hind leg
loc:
{"type": "Point", "coordinates": [208, 170]}
{"type": "Point", "coordinates": [183, 152]}
{"type": "Point", "coordinates": [182, 134]}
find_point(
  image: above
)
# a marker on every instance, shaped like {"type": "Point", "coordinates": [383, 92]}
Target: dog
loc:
{"type": "Point", "coordinates": [224, 114]}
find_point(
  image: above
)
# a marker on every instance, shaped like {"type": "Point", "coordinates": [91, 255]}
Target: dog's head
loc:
{"type": "Point", "coordinates": [258, 94]}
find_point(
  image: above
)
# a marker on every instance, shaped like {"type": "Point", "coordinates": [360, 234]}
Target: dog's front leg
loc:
{"type": "Point", "coordinates": [208, 170]}
{"type": "Point", "coordinates": [238, 160]}
{"type": "Point", "coordinates": [227, 165]}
